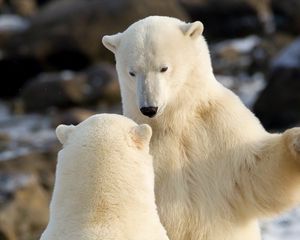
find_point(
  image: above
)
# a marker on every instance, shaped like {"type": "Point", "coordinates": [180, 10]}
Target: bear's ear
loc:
{"type": "Point", "coordinates": [63, 132]}
{"type": "Point", "coordinates": [112, 42]}
{"type": "Point", "coordinates": [141, 135]}
{"type": "Point", "coordinates": [193, 30]}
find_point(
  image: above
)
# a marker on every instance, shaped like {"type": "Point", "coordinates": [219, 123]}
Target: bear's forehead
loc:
{"type": "Point", "coordinates": [152, 36]}
{"type": "Point", "coordinates": [151, 46]}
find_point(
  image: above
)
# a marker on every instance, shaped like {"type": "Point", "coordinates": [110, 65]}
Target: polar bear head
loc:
{"type": "Point", "coordinates": [104, 133]}
{"type": "Point", "coordinates": [155, 57]}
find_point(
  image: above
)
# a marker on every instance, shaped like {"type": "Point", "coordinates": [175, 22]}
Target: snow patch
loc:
{"type": "Point", "coordinates": [13, 23]}
{"type": "Point", "coordinates": [241, 45]}
{"type": "Point", "coordinates": [287, 227]}
{"type": "Point", "coordinates": [289, 57]}
{"type": "Point", "coordinates": [67, 75]}
{"type": "Point", "coordinates": [246, 87]}
{"type": "Point", "coordinates": [28, 133]}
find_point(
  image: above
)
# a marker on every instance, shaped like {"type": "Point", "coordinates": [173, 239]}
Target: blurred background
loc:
{"type": "Point", "coordinates": [54, 69]}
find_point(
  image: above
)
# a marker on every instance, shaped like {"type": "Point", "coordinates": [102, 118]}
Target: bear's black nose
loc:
{"type": "Point", "coordinates": [149, 111]}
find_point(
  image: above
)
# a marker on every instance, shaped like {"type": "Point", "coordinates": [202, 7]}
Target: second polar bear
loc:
{"type": "Point", "coordinates": [217, 170]}
{"type": "Point", "coordinates": [104, 186]}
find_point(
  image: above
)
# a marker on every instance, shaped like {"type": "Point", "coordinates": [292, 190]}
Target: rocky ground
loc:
{"type": "Point", "coordinates": [56, 71]}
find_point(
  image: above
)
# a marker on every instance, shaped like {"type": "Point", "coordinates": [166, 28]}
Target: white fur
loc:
{"type": "Point", "coordinates": [217, 170]}
{"type": "Point", "coordinates": [104, 186]}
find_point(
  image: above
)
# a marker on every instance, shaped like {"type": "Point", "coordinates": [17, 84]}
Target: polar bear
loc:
{"type": "Point", "coordinates": [104, 186]}
{"type": "Point", "coordinates": [217, 169]}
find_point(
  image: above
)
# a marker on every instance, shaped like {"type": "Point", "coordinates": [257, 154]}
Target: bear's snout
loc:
{"type": "Point", "coordinates": [149, 111]}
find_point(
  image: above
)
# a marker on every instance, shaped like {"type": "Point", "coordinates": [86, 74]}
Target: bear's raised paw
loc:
{"type": "Point", "coordinates": [293, 140]}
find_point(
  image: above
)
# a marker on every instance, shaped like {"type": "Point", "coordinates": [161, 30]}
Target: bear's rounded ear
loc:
{"type": "Point", "coordinates": [63, 132]}
{"type": "Point", "coordinates": [193, 30]}
{"type": "Point", "coordinates": [112, 42]}
{"type": "Point", "coordinates": [141, 135]}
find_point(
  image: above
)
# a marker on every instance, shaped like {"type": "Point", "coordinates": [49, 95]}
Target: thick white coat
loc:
{"type": "Point", "coordinates": [104, 186]}
{"type": "Point", "coordinates": [217, 170]}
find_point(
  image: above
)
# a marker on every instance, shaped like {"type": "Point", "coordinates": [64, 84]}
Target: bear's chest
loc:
{"type": "Point", "coordinates": [181, 169]}
{"type": "Point", "coordinates": [185, 170]}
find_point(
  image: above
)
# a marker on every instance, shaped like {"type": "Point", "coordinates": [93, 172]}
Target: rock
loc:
{"type": "Point", "coordinates": [68, 88]}
{"type": "Point", "coordinates": [10, 24]}
{"type": "Point", "coordinates": [103, 83]}
{"type": "Point", "coordinates": [26, 134]}
{"type": "Point", "coordinates": [54, 89]}
{"type": "Point", "coordinates": [247, 55]}
{"type": "Point", "coordinates": [5, 140]}
{"type": "Point", "coordinates": [15, 71]}
{"type": "Point", "coordinates": [72, 116]}
{"type": "Point", "coordinates": [42, 2]}
{"type": "Point", "coordinates": [231, 18]}
{"type": "Point", "coordinates": [234, 56]}
{"type": "Point", "coordinates": [26, 182]}
{"type": "Point", "coordinates": [7, 231]}
{"type": "Point", "coordinates": [247, 87]}
{"type": "Point", "coordinates": [25, 212]}
{"type": "Point", "coordinates": [289, 57]}
{"type": "Point", "coordinates": [66, 34]}
{"type": "Point", "coordinates": [278, 106]}
{"type": "Point", "coordinates": [24, 7]}
{"type": "Point", "coordinates": [287, 15]}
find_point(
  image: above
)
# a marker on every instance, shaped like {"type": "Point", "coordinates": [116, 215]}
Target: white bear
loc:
{"type": "Point", "coordinates": [217, 170]}
{"type": "Point", "coordinates": [104, 186]}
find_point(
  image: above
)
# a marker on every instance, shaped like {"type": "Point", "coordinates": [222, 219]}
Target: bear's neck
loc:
{"type": "Point", "coordinates": [84, 195]}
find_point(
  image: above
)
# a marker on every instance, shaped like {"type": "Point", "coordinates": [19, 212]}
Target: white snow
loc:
{"type": "Point", "coordinates": [27, 133]}
{"type": "Point", "coordinates": [67, 75]}
{"type": "Point", "coordinates": [241, 45]}
{"type": "Point", "coordinates": [4, 112]}
{"type": "Point", "coordinates": [285, 227]}
{"type": "Point", "coordinates": [13, 23]}
{"type": "Point", "coordinates": [246, 87]}
{"type": "Point", "coordinates": [289, 56]}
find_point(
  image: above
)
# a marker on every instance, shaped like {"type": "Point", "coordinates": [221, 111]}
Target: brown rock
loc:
{"type": "Point", "coordinates": [25, 213]}
{"type": "Point", "coordinates": [278, 106]}
{"type": "Point", "coordinates": [288, 13]}
{"type": "Point", "coordinates": [240, 17]}
{"type": "Point", "coordinates": [26, 184]}
{"type": "Point", "coordinates": [103, 83]}
{"type": "Point", "coordinates": [72, 116]}
{"type": "Point", "coordinates": [40, 165]}
{"type": "Point", "coordinates": [67, 33]}
{"type": "Point", "coordinates": [4, 141]}
{"type": "Point", "coordinates": [24, 7]}
{"type": "Point", "coordinates": [98, 82]}
{"type": "Point", "coordinates": [7, 231]}
{"type": "Point", "coordinates": [54, 89]}
{"type": "Point", "coordinates": [231, 18]}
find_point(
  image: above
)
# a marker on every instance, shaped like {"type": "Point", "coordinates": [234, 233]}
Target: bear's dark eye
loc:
{"type": "Point", "coordinates": [163, 69]}
{"type": "Point", "coordinates": [132, 74]}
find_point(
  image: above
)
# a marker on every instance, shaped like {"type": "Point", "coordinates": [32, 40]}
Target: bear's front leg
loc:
{"type": "Point", "coordinates": [292, 139]}
{"type": "Point", "coordinates": [270, 182]}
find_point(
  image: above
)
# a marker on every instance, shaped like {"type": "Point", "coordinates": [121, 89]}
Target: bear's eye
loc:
{"type": "Point", "coordinates": [132, 74]}
{"type": "Point", "coordinates": [163, 69]}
